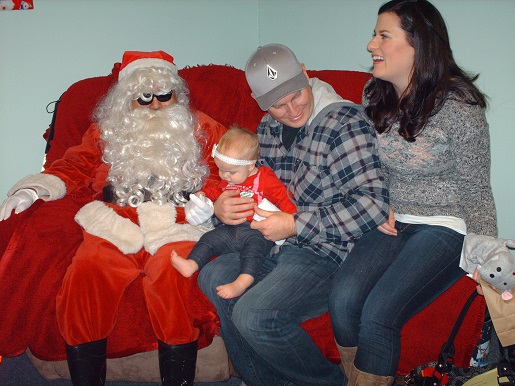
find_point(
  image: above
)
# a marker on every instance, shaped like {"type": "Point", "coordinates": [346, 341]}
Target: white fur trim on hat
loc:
{"type": "Point", "coordinates": [133, 60]}
{"type": "Point", "coordinates": [49, 187]}
{"type": "Point", "coordinates": [158, 225]}
{"type": "Point", "coordinates": [145, 63]}
{"type": "Point", "coordinates": [100, 220]}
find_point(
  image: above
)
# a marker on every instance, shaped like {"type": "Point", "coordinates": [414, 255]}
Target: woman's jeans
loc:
{"type": "Point", "coordinates": [261, 329]}
{"type": "Point", "coordinates": [386, 280]}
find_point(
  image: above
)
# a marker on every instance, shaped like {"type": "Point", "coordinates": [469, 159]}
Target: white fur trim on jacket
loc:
{"type": "Point", "coordinates": [158, 225]}
{"type": "Point", "coordinates": [49, 187]}
{"type": "Point", "coordinates": [100, 220]}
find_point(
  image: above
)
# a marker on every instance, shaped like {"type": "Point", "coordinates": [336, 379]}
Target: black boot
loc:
{"type": "Point", "coordinates": [177, 363]}
{"type": "Point", "coordinates": [87, 363]}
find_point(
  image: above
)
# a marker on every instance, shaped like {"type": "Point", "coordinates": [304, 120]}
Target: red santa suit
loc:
{"type": "Point", "coordinates": [121, 243]}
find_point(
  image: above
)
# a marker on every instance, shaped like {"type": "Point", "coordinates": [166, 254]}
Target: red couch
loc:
{"type": "Point", "coordinates": [37, 245]}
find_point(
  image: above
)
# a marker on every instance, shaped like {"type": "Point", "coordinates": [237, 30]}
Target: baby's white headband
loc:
{"type": "Point", "coordinates": [229, 160]}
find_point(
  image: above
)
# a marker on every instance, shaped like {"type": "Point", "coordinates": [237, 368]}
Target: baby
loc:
{"type": "Point", "coordinates": [235, 156]}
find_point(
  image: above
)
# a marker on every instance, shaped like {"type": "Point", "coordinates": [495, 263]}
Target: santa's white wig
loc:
{"type": "Point", "coordinates": [152, 154]}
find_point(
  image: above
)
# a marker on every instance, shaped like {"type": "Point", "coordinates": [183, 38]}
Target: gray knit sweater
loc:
{"type": "Point", "coordinates": [446, 171]}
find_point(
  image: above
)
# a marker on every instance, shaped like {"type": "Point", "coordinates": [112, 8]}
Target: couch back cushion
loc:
{"type": "Point", "coordinates": [220, 91]}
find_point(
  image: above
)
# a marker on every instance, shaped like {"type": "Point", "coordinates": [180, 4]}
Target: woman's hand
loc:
{"type": "Point", "coordinates": [475, 276]}
{"type": "Point", "coordinates": [388, 228]}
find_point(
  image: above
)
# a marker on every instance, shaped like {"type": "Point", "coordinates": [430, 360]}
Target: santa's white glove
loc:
{"type": "Point", "coordinates": [198, 209]}
{"type": "Point", "coordinates": [19, 201]}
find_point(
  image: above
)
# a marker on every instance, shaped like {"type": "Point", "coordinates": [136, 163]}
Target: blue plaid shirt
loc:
{"type": "Point", "coordinates": [333, 172]}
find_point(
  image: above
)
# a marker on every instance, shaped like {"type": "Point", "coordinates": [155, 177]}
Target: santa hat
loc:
{"type": "Point", "coordinates": [133, 60]}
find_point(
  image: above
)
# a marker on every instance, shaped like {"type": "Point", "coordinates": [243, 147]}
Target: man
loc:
{"type": "Point", "coordinates": [324, 151]}
{"type": "Point", "coordinates": [149, 148]}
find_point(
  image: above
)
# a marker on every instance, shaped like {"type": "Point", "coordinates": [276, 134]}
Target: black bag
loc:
{"type": "Point", "coordinates": [506, 368]}
{"type": "Point", "coordinates": [443, 372]}
{"type": "Point", "coordinates": [438, 374]}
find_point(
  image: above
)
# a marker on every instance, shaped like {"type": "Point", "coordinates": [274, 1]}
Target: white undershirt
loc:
{"type": "Point", "coordinates": [455, 223]}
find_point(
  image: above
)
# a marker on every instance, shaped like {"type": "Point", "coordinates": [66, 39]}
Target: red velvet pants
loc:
{"type": "Point", "coordinates": [87, 303]}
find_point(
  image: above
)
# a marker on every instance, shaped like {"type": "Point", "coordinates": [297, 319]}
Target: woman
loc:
{"type": "Point", "coordinates": [434, 147]}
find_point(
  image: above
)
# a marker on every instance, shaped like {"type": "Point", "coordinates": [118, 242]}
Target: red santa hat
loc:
{"type": "Point", "coordinates": [133, 60]}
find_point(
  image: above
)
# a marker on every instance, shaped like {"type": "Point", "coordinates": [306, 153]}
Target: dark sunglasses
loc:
{"type": "Point", "coordinates": [147, 98]}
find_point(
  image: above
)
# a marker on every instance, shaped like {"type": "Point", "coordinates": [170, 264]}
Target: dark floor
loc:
{"type": "Point", "coordinates": [19, 371]}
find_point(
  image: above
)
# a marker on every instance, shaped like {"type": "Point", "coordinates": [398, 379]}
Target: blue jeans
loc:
{"type": "Point", "coordinates": [383, 282]}
{"type": "Point", "coordinates": [261, 329]}
{"type": "Point", "coordinates": [249, 243]}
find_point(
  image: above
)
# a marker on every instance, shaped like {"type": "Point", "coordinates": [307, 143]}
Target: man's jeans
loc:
{"type": "Point", "coordinates": [261, 329]}
{"type": "Point", "coordinates": [383, 282]}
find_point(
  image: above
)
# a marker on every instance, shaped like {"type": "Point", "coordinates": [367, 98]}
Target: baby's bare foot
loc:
{"type": "Point", "coordinates": [236, 288]}
{"type": "Point", "coordinates": [185, 267]}
{"type": "Point", "coordinates": [230, 290]}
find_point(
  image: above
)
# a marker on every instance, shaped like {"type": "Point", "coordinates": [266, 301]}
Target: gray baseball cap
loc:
{"type": "Point", "coordinates": [273, 72]}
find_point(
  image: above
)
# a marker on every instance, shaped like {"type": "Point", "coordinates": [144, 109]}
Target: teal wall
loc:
{"type": "Point", "coordinates": [44, 50]}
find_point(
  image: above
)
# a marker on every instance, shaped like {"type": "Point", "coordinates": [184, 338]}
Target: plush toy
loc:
{"type": "Point", "coordinates": [494, 260]}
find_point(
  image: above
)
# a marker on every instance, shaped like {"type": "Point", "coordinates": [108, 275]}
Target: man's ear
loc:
{"type": "Point", "coordinates": [304, 71]}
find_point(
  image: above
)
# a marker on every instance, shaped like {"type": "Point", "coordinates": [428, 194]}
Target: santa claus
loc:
{"type": "Point", "coordinates": [145, 153]}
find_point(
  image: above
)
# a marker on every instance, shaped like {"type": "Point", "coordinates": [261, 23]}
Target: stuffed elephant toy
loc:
{"type": "Point", "coordinates": [495, 260]}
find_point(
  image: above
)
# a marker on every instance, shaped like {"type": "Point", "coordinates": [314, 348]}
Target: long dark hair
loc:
{"type": "Point", "coordinates": [434, 76]}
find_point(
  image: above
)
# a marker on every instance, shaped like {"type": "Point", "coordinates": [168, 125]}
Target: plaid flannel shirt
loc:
{"type": "Point", "coordinates": [334, 175]}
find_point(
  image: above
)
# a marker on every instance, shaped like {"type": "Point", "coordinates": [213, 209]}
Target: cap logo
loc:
{"type": "Point", "coordinates": [271, 73]}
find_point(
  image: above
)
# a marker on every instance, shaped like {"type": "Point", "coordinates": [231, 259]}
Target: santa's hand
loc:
{"type": "Point", "coordinates": [19, 201]}
{"type": "Point", "coordinates": [198, 209]}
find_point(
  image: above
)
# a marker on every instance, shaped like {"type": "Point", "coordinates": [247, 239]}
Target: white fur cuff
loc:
{"type": "Point", "coordinates": [52, 186]}
{"type": "Point", "coordinates": [100, 220]}
{"type": "Point", "coordinates": [158, 225]}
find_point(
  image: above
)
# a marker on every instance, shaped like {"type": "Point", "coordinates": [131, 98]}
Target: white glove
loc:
{"type": "Point", "coordinates": [198, 209]}
{"type": "Point", "coordinates": [19, 201]}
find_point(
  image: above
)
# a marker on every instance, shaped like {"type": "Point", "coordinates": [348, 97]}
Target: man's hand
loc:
{"type": "Point", "coordinates": [276, 225]}
{"type": "Point", "coordinates": [19, 201]}
{"type": "Point", "coordinates": [231, 209]}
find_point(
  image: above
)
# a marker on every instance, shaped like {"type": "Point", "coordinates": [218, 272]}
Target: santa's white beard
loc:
{"type": "Point", "coordinates": [153, 153]}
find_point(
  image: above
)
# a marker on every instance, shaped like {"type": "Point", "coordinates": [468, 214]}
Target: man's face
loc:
{"type": "Point", "coordinates": [155, 102]}
{"type": "Point", "coordinates": [294, 109]}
